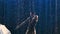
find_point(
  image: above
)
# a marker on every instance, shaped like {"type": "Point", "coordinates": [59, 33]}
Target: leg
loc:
{"type": "Point", "coordinates": [34, 31]}
{"type": "Point", "coordinates": [26, 31]}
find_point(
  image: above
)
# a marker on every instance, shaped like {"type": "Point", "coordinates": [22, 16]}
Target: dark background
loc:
{"type": "Point", "coordinates": [13, 12]}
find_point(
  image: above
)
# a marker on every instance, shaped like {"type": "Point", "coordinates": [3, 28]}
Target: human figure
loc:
{"type": "Point", "coordinates": [32, 23]}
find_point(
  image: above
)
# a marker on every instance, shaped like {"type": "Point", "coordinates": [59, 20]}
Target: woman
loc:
{"type": "Point", "coordinates": [32, 23]}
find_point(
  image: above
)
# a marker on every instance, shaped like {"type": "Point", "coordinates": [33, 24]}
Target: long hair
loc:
{"type": "Point", "coordinates": [32, 13]}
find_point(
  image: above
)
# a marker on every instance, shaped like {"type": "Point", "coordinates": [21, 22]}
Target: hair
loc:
{"type": "Point", "coordinates": [32, 12]}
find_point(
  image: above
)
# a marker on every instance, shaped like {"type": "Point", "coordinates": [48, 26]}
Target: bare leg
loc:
{"type": "Point", "coordinates": [27, 31]}
{"type": "Point", "coordinates": [34, 31]}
